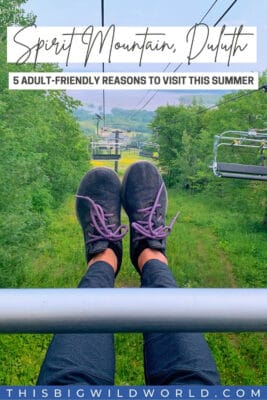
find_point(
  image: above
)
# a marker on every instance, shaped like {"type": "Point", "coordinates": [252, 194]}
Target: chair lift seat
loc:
{"type": "Point", "coordinates": [255, 141]}
{"type": "Point", "coordinates": [242, 171]}
{"type": "Point", "coordinates": [106, 157]}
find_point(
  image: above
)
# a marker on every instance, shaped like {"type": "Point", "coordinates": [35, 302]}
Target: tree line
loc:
{"type": "Point", "coordinates": [43, 154]}
{"type": "Point", "coordinates": [127, 120]}
{"type": "Point", "coordinates": [186, 134]}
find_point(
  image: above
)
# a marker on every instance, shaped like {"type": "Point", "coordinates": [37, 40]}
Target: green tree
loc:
{"type": "Point", "coordinates": [11, 13]}
{"type": "Point", "coordinates": [177, 129]}
{"type": "Point", "coordinates": [43, 154]}
{"type": "Point", "coordinates": [186, 137]}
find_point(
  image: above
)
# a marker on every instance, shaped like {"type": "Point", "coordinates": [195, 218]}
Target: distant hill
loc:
{"type": "Point", "coordinates": [118, 118]}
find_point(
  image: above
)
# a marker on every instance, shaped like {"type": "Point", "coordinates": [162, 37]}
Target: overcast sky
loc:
{"type": "Point", "coordinates": [154, 13]}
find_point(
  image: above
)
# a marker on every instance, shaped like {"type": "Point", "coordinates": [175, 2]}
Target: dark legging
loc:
{"type": "Point", "coordinates": [88, 358]}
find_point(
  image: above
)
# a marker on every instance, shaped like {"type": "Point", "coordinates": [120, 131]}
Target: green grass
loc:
{"type": "Point", "coordinates": [127, 158]}
{"type": "Point", "coordinates": [215, 246]}
{"type": "Point", "coordinates": [212, 245]}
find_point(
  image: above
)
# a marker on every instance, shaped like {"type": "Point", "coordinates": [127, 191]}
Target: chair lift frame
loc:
{"type": "Point", "coordinates": [148, 153]}
{"type": "Point", "coordinates": [250, 139]}
{"type": "Point", "coordinates": [113, 149]}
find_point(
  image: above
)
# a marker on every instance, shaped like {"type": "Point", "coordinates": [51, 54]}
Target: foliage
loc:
{"type": "Point", "coordinates": [185, 133]}
{"type": "Point", "coordinates": [12, 13]}
{"type": "Point", "coordinates": [176, 130]}
{"type": "Point", "coordinates": [220, 235]}
{"type": "Point", "coordinates": [218, 246]}
{"type": "Point", "coordinates": [42, 156]}
{"type": "Point", "coordinates": [133, 121]}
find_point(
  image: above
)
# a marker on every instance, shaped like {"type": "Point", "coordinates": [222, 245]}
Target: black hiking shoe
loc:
{"type": "Point", "coordinates": [144, 199]}
{"type": "Point", "coordinates": [98, 208]}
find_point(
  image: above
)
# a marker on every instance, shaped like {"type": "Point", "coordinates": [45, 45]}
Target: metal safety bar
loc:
{"type": "Point", "coordinates": [132, 310]}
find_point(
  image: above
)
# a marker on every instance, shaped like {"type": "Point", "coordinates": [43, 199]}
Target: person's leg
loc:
{"type": "Point", "coordinates": [89, 358]}
{"type": "Point", "coordinates": [86, 358]}
{"type": "Point", "coordinates": [170, 358]}
{"type": "Point", "coordinates": [174, 358]}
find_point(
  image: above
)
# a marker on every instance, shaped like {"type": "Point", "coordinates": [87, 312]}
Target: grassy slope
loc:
{"type": "Point", "coordinates": [210, 246]}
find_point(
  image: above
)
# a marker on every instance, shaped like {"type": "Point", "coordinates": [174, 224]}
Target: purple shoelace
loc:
{"type": "Point", "coordinates": [99, 222]}
{"type": "Point", "coordinates": [146, 226]}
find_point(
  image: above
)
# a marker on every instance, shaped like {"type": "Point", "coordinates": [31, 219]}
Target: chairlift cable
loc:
{"type": "Point", "coordinates": [226, 12]}
{"type": "Point", "coordinates": [209, 10]}
{"type": "Point", "coordinates": [166, 67]}
{"type": "Point", "coordinates": [103, 65]}
{"type": "Point", "coordinates": [202, 19]}
{"type": "Point", "coordinates": [179, 66]}
{"type": "Point", "coordinates": [235, 98]}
